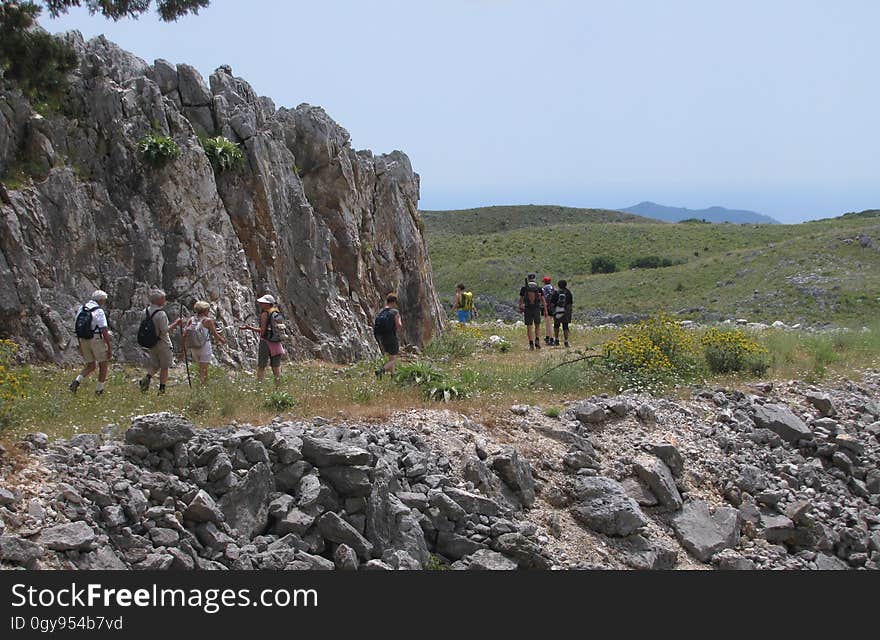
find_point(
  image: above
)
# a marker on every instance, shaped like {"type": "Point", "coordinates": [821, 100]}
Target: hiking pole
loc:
{"type": "Point", "coordinates": [185, 354]}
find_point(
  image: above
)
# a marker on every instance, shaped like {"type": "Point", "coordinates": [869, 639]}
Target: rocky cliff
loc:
{"type": "Point", "coordinates": [325, 228]}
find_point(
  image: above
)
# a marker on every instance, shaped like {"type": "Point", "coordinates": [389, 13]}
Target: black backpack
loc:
{"type": "Point", "coordinates": [533, 294]}
{"type": "Point", "coordinates": [83, 325]}
{"type": "Point", "coordinates": [561, 304]}
{"type": "Point", "coordinates": [383, 325]}
{"type": "Point", "coordinates": [147, 336]}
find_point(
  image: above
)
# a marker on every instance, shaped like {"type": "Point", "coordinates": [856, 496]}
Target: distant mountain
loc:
{"type": "Point", "coordinates": [507, 218]}
{"type": "Point", "coordinates": [712, 214]}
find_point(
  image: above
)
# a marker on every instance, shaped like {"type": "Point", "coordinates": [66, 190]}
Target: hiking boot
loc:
{"type": "Point", "coordinates": [566, 343]}
{"type": "Point", "coordinates": [144, 384]}
{"type": "Point", "coordinates": [531, 346]}
{"type": "Point", "coordinates": [161, 390]}
{"type": "Point", "coordinates": [99, 392]}
{"type": "Point", "coordinates": [537, 344]}
{"type": "Point", "coordinates": [379, 373]}
{"type": "Point", "coordinates": [74, 386]}
{"type": "Point", "coordinates": [556, 343]}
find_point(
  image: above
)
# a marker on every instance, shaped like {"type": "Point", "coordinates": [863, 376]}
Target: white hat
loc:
{"type": "Point", "coordinates": [267, 299]}
{"type": "Point", "coordinates": [98, 294]}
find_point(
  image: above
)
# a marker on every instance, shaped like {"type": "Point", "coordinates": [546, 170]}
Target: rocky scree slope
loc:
{"type": "Point", "coordinates": [786, 476]}
{"type": "Point", "coordinates": [327, 229]}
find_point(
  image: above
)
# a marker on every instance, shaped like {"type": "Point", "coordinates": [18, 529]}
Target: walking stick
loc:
{"type": "Point", "coordinates": [185, 355]}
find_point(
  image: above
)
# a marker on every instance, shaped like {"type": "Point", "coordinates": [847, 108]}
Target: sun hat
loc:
{"type": "Point", "coordinates": [267, 299]}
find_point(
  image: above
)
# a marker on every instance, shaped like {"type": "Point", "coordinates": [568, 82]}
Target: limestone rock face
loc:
{"type": "Point", "coordinates": [326, 229]}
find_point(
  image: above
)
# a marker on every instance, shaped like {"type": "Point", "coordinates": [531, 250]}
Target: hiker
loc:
{"type": "Point", "coordinates": [560, 305]}
{"type": "Point", "coordinates": [154, 334]}
{"type": "Point", "coordinates": [547, 291]}
{"type": "Point", "coordinates": [90, 327]}
{"type": "Point", "coordinates": [533, 307]}
{"type": "Point", "coordinates": [464, 304]}
{"type": "Point", "coordinates": [197, 337]}
{"type": "Point", "coordinates": [270, 334]}
{"type": "Point", "coordinates": [385, 328]}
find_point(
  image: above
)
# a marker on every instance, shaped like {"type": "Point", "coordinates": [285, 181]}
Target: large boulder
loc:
{"type": "Point", "coordinates": [15, 549]}
{"type": "Point", "coordinates": [158, 431]}
{"type": "Point", "coordinates": [779, 419]}
{"type": "Point", "coordinates": [323, 452]}
{"type": "Point", "coordinates": [390, 524]}
{"type": "Point", "coordinates": [246, 505]}
{"type": "Point", "coordinates": [654, 473]}
{"type": "Point", "coordinates": [604, 506]}
{"type": "Point", "coordinates": [703, 533]}
{"type": "Point", "coordinates": [68, 537]}
{"type": "Point", "coordinates": [335, 529]}
{"type": "Point", "coordinates": [516, 474]}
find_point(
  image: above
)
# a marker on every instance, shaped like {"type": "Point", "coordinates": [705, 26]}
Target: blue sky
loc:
{"type": "Point", "coordinates": [766, 105]}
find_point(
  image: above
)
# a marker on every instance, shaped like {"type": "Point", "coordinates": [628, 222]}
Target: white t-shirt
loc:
{"type": "Point", "coordinates": [99, 318]}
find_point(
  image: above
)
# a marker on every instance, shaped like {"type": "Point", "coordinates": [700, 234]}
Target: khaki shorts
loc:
{"type": "Point", "coordinates": [94, 350]}
{"type": "Point", "coordinates": [159, 357]}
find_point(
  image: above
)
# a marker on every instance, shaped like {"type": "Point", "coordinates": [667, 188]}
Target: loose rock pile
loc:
{"type": "Point", "coordinates": [284, 496]}
{"type": "Point", "coordinates": [783, 476]}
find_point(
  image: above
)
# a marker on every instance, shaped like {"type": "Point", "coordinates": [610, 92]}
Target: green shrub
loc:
{"type": "Point", "coordinates": [650, 355]}
{"type": "Point", "coordinates": [419, 373]}
{"type": "Point", "coordinates": [601, 264]}
{"type": "Point", "coordinates": [654, 262]}
{"type": "Point", "coordinates": [157, 149]}
{"type": "Point", "coordinates": [279, 401]}
{"type": "Point", "coordinates": [734, 351]}
{"type": "Point", "coordinates": [552, 412]}
{"type": "Point", "coordinates": [461, 341]}
{"type": "Point", "coordinates": [223, 153]}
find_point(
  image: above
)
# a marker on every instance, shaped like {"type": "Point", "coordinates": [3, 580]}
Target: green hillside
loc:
{"type": "Point", "coordinates": [508, 218]}
{"type": "Point", "coordinates": [813, 272]}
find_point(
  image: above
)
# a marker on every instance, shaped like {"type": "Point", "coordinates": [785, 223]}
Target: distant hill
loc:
{"type": "Point", "coordinates": [712, 214]}
{"type": "Point", "coordinates": [813, 272]}
{"type": "Point", "coordinates": [507, 218]}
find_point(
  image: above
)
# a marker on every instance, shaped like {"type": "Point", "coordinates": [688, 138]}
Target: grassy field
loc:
{"type": "Point", "coordinates": [811, 273]}
{"type": "Point", "coordinates": [489, 381]}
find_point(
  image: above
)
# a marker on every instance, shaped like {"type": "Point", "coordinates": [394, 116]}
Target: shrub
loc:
{"type": "Point", "coordinates": [733, 351]}
{"type": "Point", "coordinates": [158, 150]}
{"type": "Point", "coordinates": [223, 153]}
{"type": "Point", "coordinates": [601, 264]}
{"type": "Point", "coordinates": [419, 373]}
{"type": "Point", "coordinates": [653, 262]}
{"type": "Point", "coordinates": [552, 412]}
{"type": "Point", "coordinates": [11, 382]}
{"type": "Point", "coordinates": [461, 341]}
{"type": "Point", "coordinates": [651, 354]}
{"type": "Point", "coordinates": [279, 401]}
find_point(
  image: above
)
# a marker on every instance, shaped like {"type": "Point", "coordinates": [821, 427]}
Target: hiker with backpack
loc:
{"type": "Point", "coordinates": [271, 332]}
{"type": "Point", "coordinates": [385, 327]}
{"type": "Point", "coordinates": [561, 306]}
{"type": "Point", "coordinates": [197, 334]}
{"type": "Point", "coordinates": [93, 335]}
{"type": "Point", "coordinates": [547, 291]}
{"type": "Point", "coordinates": [154, 335]}
{"type": "Point", "coordinates": [464, 304]}
{"type": "Point", "coordinates": [533, 307]}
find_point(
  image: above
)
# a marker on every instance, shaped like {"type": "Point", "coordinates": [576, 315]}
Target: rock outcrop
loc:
{"type": "Point", "coordinates": [325, 228]}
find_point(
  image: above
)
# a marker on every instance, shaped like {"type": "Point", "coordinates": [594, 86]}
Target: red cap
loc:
{"type": "Point", "coordinates": [547, 279]}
